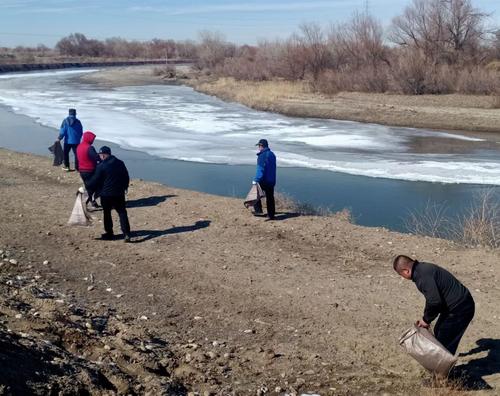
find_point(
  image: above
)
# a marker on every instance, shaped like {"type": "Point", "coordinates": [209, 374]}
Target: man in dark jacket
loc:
{"type": "Point", "coordinates": [444, 296]}
{"type": "Point", "coordinates": [87, 164]}
{"type": "Point", "coordinates": [111, 179]}
{"type": "Point", "coordinates": [71, 131]}
{"type": "Point", "coordinates": [266, 177]}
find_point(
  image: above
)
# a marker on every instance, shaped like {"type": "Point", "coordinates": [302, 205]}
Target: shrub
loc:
{"type": "Point", "coordinates": [409, 73]}
{"type": "Point", "coordinates": [430, 220]}
{"type": "Point", "coordinates": [167, 71]}
{"type": "Point", "coordinates": [481, 224]}
{"type": "Point", "coordinates": [478, 81]}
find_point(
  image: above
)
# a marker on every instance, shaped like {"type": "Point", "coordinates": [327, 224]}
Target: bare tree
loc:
{"type": "Point", "coordinates": [496, 44]}
{"type": "Point", "coordinates": [293, 59]}
{"type": "Point", "coordinates": [213, 49]}
{"type": "Point", "coordinates": [359, 42]}
{"type": "Point", "coordinates": [315, 48]}
{"type": "Point", "coordinates": [186, 49]}
{"type": "Point", "coordinates": [446, 31]}
{"type": "Point", "coordinates": [77, 44]}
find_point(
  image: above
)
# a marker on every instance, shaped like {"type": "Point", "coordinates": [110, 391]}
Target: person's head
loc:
{"type": "Point", "coordinates": [72, 112]}
{"type": "Point", "coordinates": [262, 144]}
{"type": "Point", "coordinates": [403, 265]}
{"type": "Point", "coordinates": [104, 152]}
{"type": "Point", "coordinates": [88, 137]}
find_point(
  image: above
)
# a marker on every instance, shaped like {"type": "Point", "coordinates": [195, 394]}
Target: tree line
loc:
{"type": "Point", "coordinates": [434, 46]}
{"type": "Point", "coordinates": [78, 46]}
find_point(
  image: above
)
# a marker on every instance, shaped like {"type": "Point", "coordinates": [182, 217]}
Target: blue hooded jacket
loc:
{"type": "Point", "coordinates": [71, 130]}
{"type": "Point", "coordinates": [266, 167]}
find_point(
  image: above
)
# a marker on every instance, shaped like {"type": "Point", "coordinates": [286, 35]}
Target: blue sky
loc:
{"type": "Point", "coordinates": [30, 22]}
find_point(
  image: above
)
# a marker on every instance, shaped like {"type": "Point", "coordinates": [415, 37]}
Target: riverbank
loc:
{"type": "Point", "coordinates": [445, 112]}
{"type": "Point", "coordinates": [176, 302]}
{"type": "Point", "coordinates": [376, 202]}
{"type": "Point", "coordinates": [27, 67]}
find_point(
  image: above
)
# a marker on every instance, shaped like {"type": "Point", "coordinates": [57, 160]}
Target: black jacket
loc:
{"type": "Point", "coordinates": [443, 292]}
{"type": "Point", "coordinates": [110, 178]}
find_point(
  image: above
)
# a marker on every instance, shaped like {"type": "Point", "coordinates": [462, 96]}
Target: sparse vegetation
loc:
{"type": "Point", "coordinates": [285, 202]}
{"type": "Point", "coordinates": [167, 71]}
{"type": "Point", "coordinates": [478, 226]}
{"type": "Point", "coordinates": [431, 221]}
{"type": "Point", "coordinates": [434, 47]}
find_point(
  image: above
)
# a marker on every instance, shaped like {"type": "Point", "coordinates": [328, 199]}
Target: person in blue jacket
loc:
{"type": "Point", "coordinates": [266, 177]}
{"type": "Point", "coordinates": [71, 131]}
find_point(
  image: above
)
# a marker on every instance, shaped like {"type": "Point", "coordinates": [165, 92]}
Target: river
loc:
{"type": "Point", "coordinates": [177, 136]}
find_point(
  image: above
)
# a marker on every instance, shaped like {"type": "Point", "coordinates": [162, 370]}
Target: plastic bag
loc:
{"type": "Point", "coordinates": [79, 215]}
{"type": "Point", "coordinates": [57, 152]}
{"type": "Point", "coordinates": [254, 195]}
{"type": "Point", "coordinates": [420, 344]}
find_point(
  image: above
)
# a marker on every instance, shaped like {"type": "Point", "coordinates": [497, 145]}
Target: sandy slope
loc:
{"type": "Point", "coordinates": [239, 304]}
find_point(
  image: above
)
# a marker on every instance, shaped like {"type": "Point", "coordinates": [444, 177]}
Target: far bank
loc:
{"type": "Point", "coordinates": [469, 113]}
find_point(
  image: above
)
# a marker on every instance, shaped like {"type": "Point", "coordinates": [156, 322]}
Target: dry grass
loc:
{"type": "Point", "coordinates": [431, 220]}
{"type": "Point", "coordinates": [256, 93]}
{"type": "Point", "coordinates": [445, 387]}
{"type": "Point", "coordinates": [285, 202]}
{"type": "Point", "coordinates": [479, 226]}
{"type": "Point", "coordinates": [298, 99]}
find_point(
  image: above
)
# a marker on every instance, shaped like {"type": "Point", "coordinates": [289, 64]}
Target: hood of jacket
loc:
{"type": "Point", "coordinates": [88, 137]}
{"type": "Point", "coordinates": [71, 119]}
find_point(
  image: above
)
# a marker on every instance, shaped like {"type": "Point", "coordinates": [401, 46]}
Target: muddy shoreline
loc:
{"type": "Point", "coordinates": [176, 301]}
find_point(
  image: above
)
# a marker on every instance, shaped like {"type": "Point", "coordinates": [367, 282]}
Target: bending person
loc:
{"type": "Point", "coordinates": [444, 296]}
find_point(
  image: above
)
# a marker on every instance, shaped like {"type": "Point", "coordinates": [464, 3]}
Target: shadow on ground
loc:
{"type": "Point", "coordinates": [149, 201]}
{"type": "Point", "coordinates": [284, 216]}
{"type": "Point", "coordinates": [472, 373]}
{"type": "Point", "coordinates": [279, 216]}
{"type": "Point", "coordinates": [150, 234]}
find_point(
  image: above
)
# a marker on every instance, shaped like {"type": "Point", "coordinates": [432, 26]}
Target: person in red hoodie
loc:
{"type": "Point", "coordinates": [87, 163]}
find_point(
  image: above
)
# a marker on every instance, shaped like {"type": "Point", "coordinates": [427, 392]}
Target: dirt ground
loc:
{"type": "Point", "coordinates": [469, 113]}
{"type": "Point", "coordinates": [211, 300]}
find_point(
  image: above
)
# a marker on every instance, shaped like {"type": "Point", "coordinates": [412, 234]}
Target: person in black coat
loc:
{"type": "Point", "coordinates": [444, 295]}
{"type": "Point", "coordinates": [111, 179]}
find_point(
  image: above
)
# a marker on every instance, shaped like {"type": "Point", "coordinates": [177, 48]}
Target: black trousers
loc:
{"type": "Point", "coordinates": [118, 204]}
{"type": "Point", "coordinates": [451, 326]}
{"type": "Point", "coordinates": [66, 150]}
{"type": "Point", "coordinates": [86, 176]}
{"type": "Point", "coordinates": [271, 208]}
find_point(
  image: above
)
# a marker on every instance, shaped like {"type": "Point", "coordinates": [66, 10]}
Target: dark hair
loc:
{"type": "Point", "coordinates": [402, 262]}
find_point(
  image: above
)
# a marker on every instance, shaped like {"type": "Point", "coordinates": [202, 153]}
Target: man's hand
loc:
{"type": "Point", "coordinates": [421, 323]}
{"type": "Point", "coordinates": [81, 190]}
